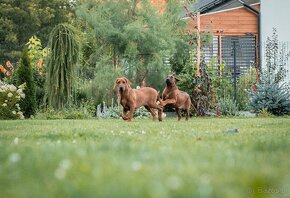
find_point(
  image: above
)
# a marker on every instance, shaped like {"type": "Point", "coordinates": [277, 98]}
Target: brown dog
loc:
{"type": "Point", "coordinates": [175, 98]}
{"type": "Point", "coordinates": [132, 99]}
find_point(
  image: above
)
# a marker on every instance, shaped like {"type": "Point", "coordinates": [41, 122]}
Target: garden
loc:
{"type": "Point", "coordinates": [61, 130]}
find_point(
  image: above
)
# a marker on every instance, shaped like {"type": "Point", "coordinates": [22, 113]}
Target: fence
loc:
{"type": "Point", "coordinates": [239, 54]}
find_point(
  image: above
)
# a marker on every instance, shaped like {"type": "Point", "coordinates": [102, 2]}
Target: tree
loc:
{"type": "Point", "coordinates": [62, 60]}
{"type": "Point", "coordinates": [25, 75]}
{"type": "Point", "coordinates": [136, 35]}
{"type": "Point", "coordinates": [20, 20]}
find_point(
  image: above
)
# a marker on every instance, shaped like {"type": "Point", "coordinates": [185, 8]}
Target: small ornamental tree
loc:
{"type": "Point", "coordinates": [25, 75]}
{"type": "Point", "coordinates": [64, 54]}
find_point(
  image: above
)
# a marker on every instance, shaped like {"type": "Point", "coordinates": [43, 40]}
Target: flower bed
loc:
{"type": "Point", "coordinates": [10, 97]}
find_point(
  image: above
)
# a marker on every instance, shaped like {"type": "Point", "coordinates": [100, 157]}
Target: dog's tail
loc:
{"type": "Point", "coordinates": [193, 107]}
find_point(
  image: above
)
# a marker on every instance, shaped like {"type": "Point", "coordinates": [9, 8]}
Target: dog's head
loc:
{"type": "Point", "coordinates": [171, 80]}
{"type": "Point", "coordinates": [122, 84]}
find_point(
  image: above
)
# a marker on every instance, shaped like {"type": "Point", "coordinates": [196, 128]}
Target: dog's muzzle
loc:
{"type": "Point", "coordinates": [168, 81]}
{"type": "Point", "coordinates": [121, 88]}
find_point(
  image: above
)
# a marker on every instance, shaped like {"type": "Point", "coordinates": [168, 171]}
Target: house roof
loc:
{"type": "Point", "coordinates": [206, 6]}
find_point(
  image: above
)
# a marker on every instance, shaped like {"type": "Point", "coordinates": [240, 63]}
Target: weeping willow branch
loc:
{"type": "Point", "coordinates": [64, 54]}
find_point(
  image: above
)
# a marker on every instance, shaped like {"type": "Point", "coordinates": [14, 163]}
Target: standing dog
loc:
{"type": "Point", "coordinates": [131, 99]}
{"type": "Point", "coordinates": [175, 98]}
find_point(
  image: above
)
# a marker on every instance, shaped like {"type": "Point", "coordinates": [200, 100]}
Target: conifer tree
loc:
{"type": "Point", "coordinates": [25, 75]}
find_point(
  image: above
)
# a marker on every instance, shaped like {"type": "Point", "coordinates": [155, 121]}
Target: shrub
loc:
{"type": "Point", "coordinates": [10, 97]}
{"type": "Point", "coordinates": [25, 75]}
{"type": "Point", "coordinates": [246, 81]}
{"type": "Point", "coordinates": [271, 93]}
{"type": "Point", "coordinates": [273, 97]}
{"type": "Point", "coordinates": [105, 112]}
{"type": "Point", "coordinates": [228, 106]}
{"type": "Point", "coordinates": [84, 110]}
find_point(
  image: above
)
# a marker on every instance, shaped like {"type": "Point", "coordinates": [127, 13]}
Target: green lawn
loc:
{"type": "Point", "coordinates": [113, 158]}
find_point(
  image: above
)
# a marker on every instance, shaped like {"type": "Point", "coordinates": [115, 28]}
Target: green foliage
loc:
{"type": "Point", "coordinates": [228, 106]}
{"type": "Point", "coordinates": [84, 110]}
{"type": "Point", "coordinates": [271, 93]}
{"type": "Point", "coordinates": [106, 112]}
{"type": "Point", "coordinates": [136, 37]}
{"type": "Point", "coordinates": [273, 97]}
{"type": "Point", "coordinates": [25, 75]}
{"type": "Point", "coordinates": [19, 20]}
{"type": "Point", "coordinates": [10, 96]}
{"type": "Point", "coordinates": [38, 56]}
{"type": "Point", "coordinates": [246, 81]}
{"type": "Point", "coordinates": [220, 84]}
{"type": "Point", "coordinates": [64, 54]}
{"type": "Point", "coordinates": [264, 113]}
{"type": "Point", "coordinates": [100, 88]}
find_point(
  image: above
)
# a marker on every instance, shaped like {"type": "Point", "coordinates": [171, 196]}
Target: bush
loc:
{"type": "Point", "coordinates": [228, 106]}
{"type": "Point", "coordinates": [271, 93]}
{"type": "Point", "coordinates": [84, 110]}
{"type": "Point", "coordinates": [10, 97]}
{"type": "Point", "coordinates": [273, 97]}
{"type": "Point", "coordinates": [101, 87]}
{"type": "Point", "coordinates": [246, 81]}
{"type": "Point", "coordinates": [25, 75]}
{"type": "Point", "coordinates": [104, 112]}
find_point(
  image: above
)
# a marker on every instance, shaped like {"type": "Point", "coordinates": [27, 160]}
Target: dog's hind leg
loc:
{"type": "Point", "coordinates": [187, 113]}
{"type": "Point", "coordinates": [177, 110]}
{"type": "Point", "coordinates": [151, 111]}
{"type": "Point", "coordinates": [159, 108]}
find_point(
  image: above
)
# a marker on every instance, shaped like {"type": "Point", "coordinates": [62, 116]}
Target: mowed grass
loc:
{"type": "Point", "coordinates": [113, 158]}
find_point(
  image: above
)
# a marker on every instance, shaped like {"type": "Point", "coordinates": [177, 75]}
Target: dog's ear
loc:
{"type": "Point", "coordinates": [127, 82]}
{"type": "Point", "coordinates": [176, 79]}
{"type": "Point", "coordinates": [115, 84]}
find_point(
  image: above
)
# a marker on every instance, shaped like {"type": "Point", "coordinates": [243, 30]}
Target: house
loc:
{"type": "Point", "coordinates": [234, 25]}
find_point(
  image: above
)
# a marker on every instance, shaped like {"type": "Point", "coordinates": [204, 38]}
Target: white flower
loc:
{"type": "Point", "coordinates": [10, 95]}
{"type": "Point", "coordinates": [22, 86]}
{"type": "Point", "coordinates": [19, 91]}
{"type": "Point", "coordinates": [4, 88]}
{"type": "Point", "coordinates": [14, 112]}
{"type": "Point", "coordinates": [20, 114]}
{"type": "Point", "coordinates": [22, 95]}
{"type": "Point", "coordinates": [6, 101]}
{"type": "Point", "coordinates": [4, 105]}
{"type": "Point", "coordinates": [17, 97]}
{"type": "Point", "coordinates": [11, 87]}
{"type": "Point", "coordinates": [17, 106]}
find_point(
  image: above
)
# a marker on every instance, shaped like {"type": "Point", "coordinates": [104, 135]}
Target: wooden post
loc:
{"type": "Point", "coordinates": [257, 66]}
{"type": "Point", "coordinates": [198, 44]}
{"type": "Point", "coordinates": [220, 53]}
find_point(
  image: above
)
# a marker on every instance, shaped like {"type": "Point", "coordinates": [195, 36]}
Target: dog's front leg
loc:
{"type": "Point", "coordinates": [124, 114]}
{"type": "Point", "coordinates": [167, 101]}
{"type": "Point", "coordinates": [131, 114]}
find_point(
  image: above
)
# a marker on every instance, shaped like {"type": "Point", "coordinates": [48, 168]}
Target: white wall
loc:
{"type": "Point", "coordinates": [276, 14]}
